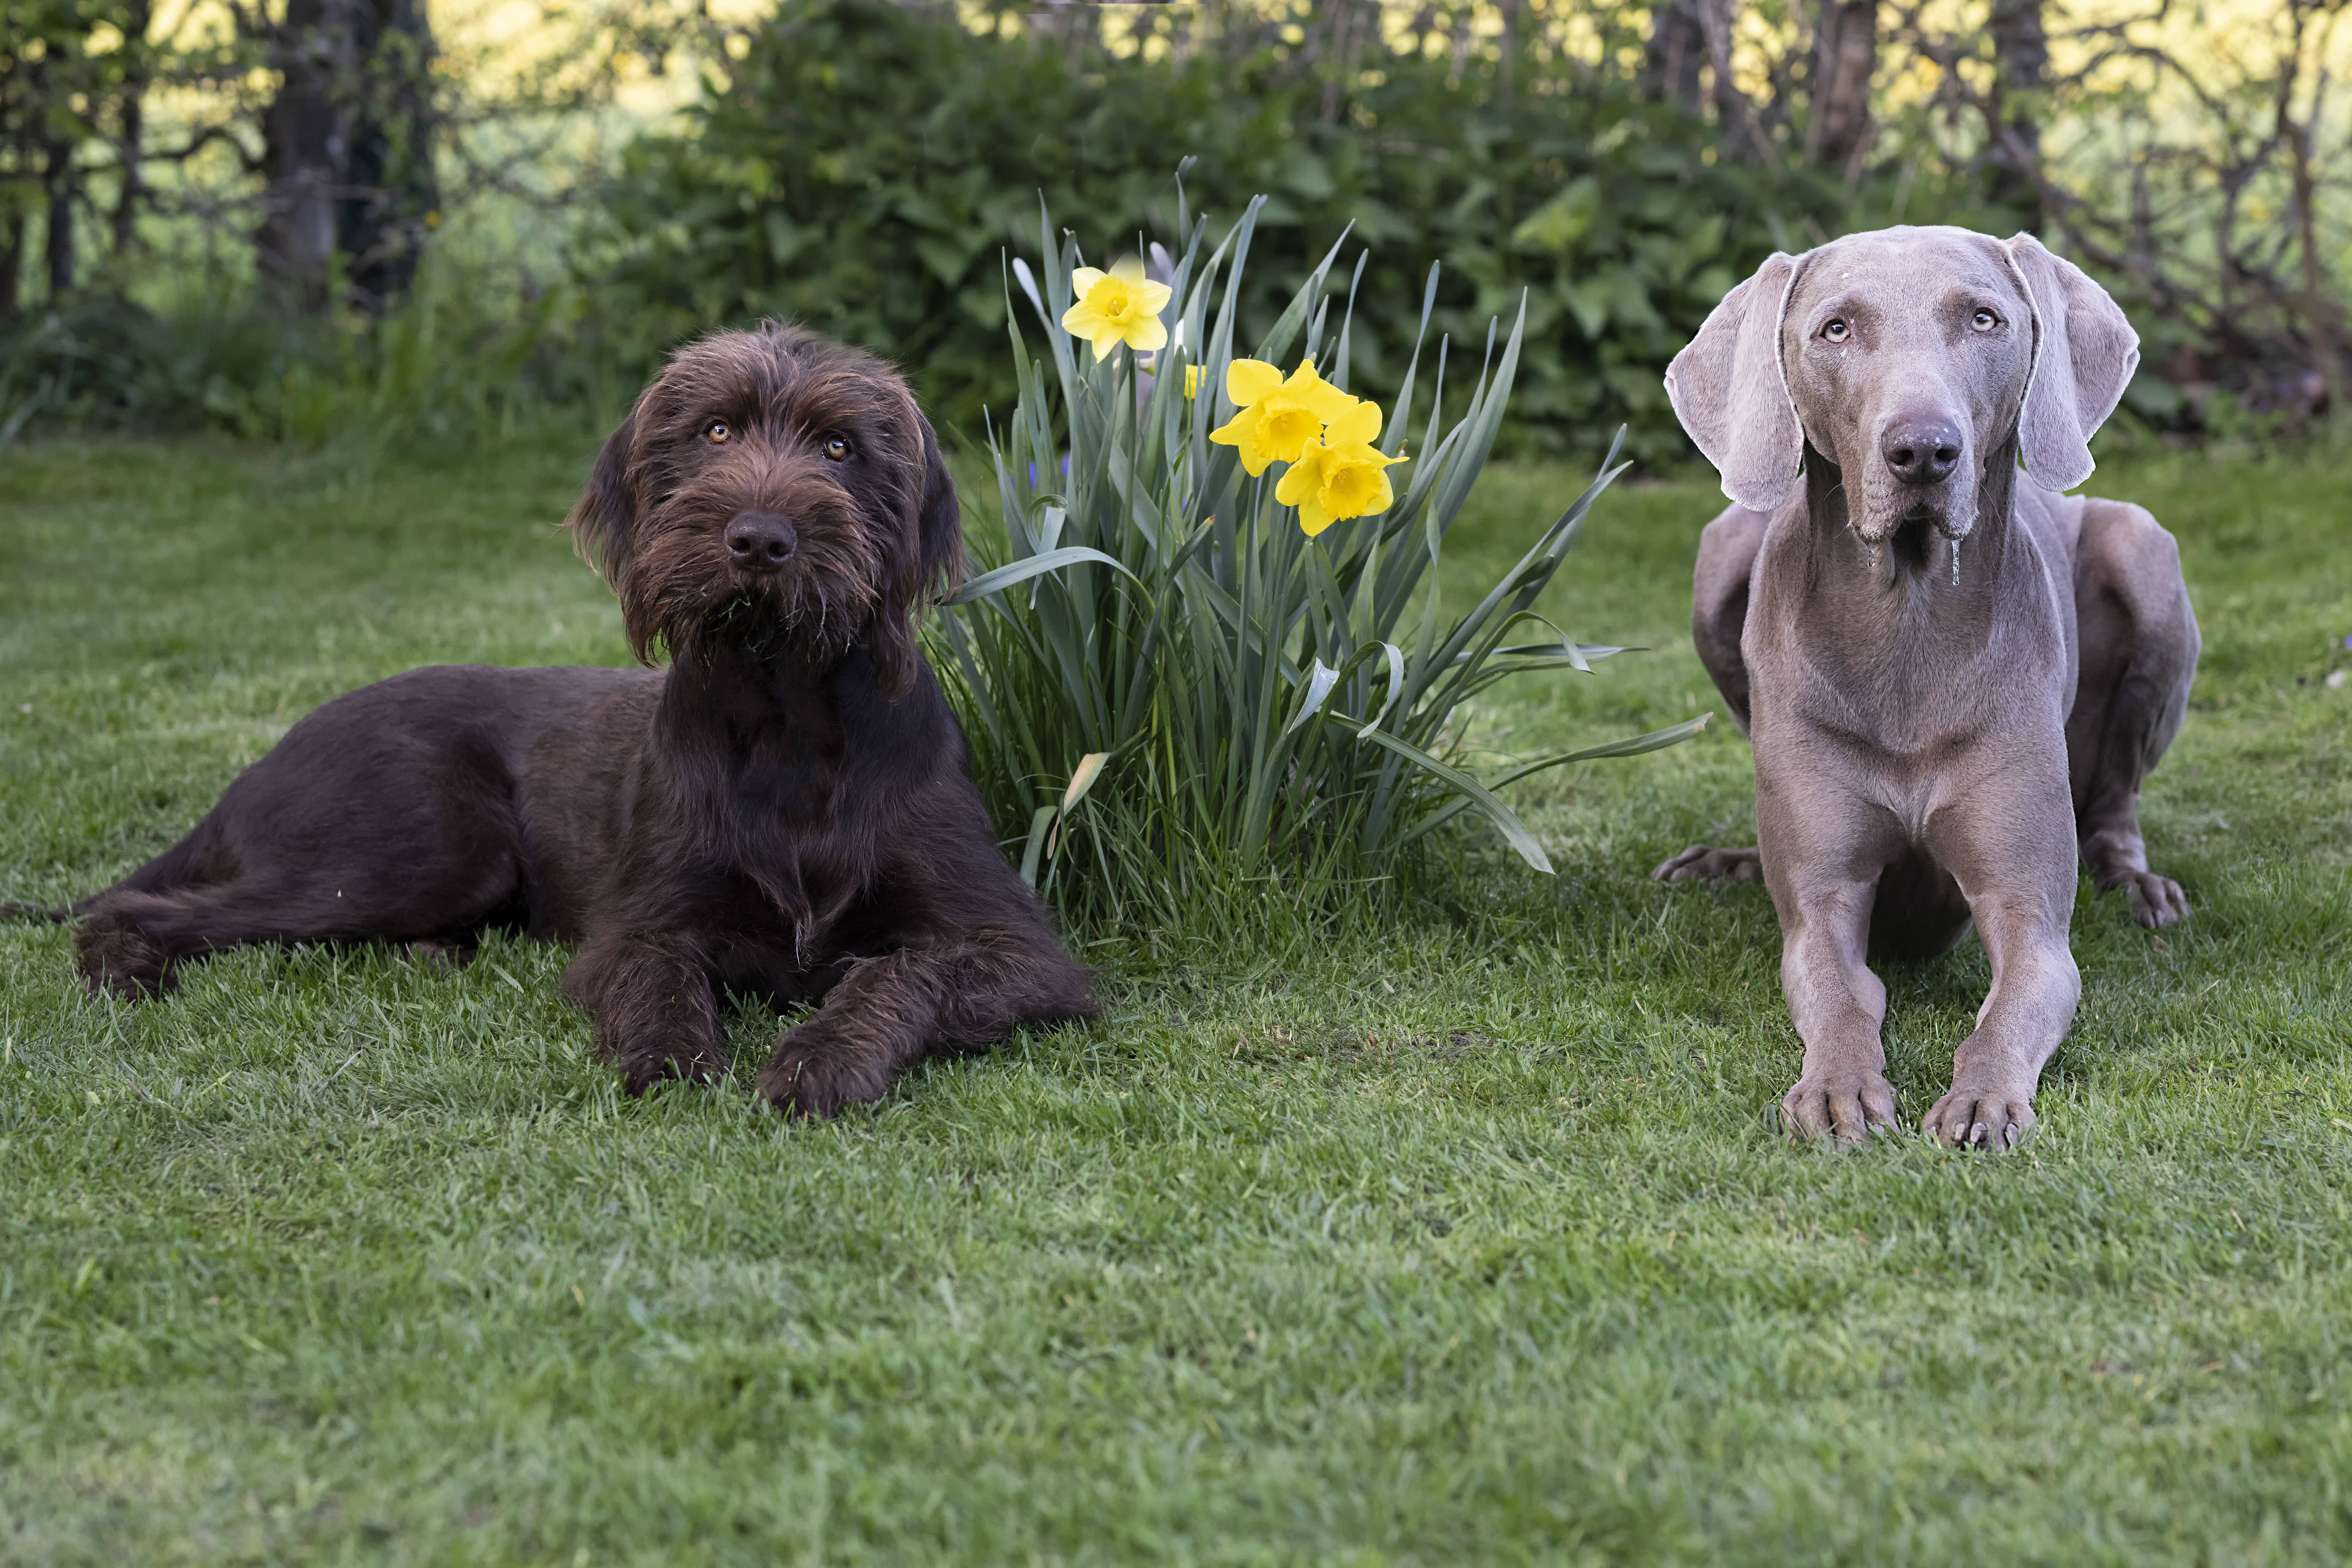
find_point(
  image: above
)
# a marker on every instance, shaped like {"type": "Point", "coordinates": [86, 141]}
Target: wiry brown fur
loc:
{"type": "Point", "coordinates": [654, 513]}
{"type": "Point", "coordinates": [786, 812]}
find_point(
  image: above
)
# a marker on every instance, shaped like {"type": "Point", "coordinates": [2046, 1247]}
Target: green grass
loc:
{"type": "Point", "coordinates": [1466, 1239]}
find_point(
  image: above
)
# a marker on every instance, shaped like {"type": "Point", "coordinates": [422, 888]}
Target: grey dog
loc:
{"type": "Point", "coordinates": [1955, 675]}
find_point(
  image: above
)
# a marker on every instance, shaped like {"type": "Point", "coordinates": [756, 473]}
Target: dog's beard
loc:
{"type": "Point", "coordinates": [684, 591]}
{"type": "Point", "coordinates": [810, 615]}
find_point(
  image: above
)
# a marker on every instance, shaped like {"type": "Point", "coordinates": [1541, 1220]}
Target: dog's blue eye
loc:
{"type": "Point", "coordinates": [1835, 332]}
{"type": "Point", "coordinates": [1984, 320]}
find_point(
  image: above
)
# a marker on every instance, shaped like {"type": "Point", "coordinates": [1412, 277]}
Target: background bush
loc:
{"type": "Point", "coordinates": [865, 166]}
{"type": "Point", "coordinates": [341, 218]}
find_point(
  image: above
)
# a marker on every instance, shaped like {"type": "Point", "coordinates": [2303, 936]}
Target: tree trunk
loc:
{"type": "Point", "coordinates": [305, 144]}
{"type": "Point", "coordinates": [392, 191]}
{"type": "Point", "coordinates": [132, 121]}
{"type": "Point", "coordinates": [12, 263]}
{"type": "Point", "coordinates": [1845, 58]}
{"type": "Point", "coordinates": [1677, 51]}
{"type": "Point", "coordinates": [1684, 36]}
{"type": "Point", "coordinates": [348, 149]}
{"type": "Point", "coordinates": [2325, 368]}
{"type": "Point", "coordinates": [59, 180]}
{"type": "Point", "coordinates": [1510, 62]}
{"type": "Point", "coordinates": [2021, 54]}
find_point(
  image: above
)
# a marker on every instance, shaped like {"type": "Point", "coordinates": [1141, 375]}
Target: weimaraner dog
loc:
{"type": "Point", "coordinates": [1955, 675]}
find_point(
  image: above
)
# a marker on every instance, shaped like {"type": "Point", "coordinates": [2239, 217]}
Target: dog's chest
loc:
{"type": "Point", "coordinates": [776, 836]}
{"type": "Point", "coordinates": [1913, 676]}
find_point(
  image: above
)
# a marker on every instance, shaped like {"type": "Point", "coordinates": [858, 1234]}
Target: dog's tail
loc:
{"type": "Point", "coordinates": [58, 916]}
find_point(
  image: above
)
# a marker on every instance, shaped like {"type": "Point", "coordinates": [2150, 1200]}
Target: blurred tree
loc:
{"type": "Point", "coordinates": [135, 70]}
{"type": "Point", "coordinates": [349, 147]}
{"type": "Point", "coordinates": [52, 90]}
{"type": "Point", "coordinates": [2021, 54]}
{"type": "Point", "coordinates": [1676, 55]}
{"type": "Point", "coordinates": [1840, 133]}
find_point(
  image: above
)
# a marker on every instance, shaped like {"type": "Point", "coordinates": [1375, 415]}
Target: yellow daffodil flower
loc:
{"type": "Point", "coordinates": [1118, 306]}
{"type": "Point", "coordinates": [1343, 475]}
{"type": "Point", "coordinates": [1278, 418]}
{"type": "Point", "coordinates": [1191, 382]}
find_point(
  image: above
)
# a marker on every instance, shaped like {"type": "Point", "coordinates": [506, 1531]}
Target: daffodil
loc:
{"type": "Point", "coordinates": [1341, 473]}
{"type": "Point", "coordinates": [1191, 382]}
{"type": "Point", "coordinates": [1118, 306]}
{"type": "Point", "coordinates": [1278, 418]}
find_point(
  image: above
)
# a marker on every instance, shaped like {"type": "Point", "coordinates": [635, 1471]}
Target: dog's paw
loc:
{"type": "Point", "coordinates": [810, 1076]}
{"type": "Point", "coordinates": [1701, 864]}
{"type": "Point", "coordinates": [1980, 1117]}
{"type": "Point", "coordinates": [646, 1063]}
{"type": "Point", "coordinates": [1847, 1104]}
{"type": "Point", "coordinates": [2155, 901]}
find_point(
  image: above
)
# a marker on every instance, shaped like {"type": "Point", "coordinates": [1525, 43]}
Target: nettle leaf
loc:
{"type": "Point", "coordinates": [1555, 228]}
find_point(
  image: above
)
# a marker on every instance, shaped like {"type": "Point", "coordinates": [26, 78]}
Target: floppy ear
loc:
{"type": "Point", "coordinates": [1731, 390]}
{"type": "Point", "coordinates": [939, 519]}
{"type": "Point", "coordinates": [2085, 352]}
{"type": "Point", "coordinates": [604, 520]}
{"type": "Point", "coordinates": [934, 556]}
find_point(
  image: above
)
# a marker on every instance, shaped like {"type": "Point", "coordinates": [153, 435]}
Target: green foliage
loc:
{"type": "Point", "coordinates": [451, 361]}
{"type": "Point", "coordinates": [1257, 703]}
{"type": "Point", "coordinates": [863, 167]}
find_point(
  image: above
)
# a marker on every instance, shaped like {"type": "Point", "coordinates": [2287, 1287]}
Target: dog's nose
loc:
{"type": "Point", "coordinates": [1922, 451]}
{"type": "Point", "coordinates": [760, 540]}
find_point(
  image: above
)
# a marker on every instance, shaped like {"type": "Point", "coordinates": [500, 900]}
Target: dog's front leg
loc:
{"type": "Point", "coordinates": [648, 995]}
{"type": "Point", "coordinates": [1823, 850]}
{"type": "Point", "coordinates": [888, 1012]}
{"type": "Point", "coordinates": [1838, 1005]}
{"type": "Point", "coordinates": [2014, 855]}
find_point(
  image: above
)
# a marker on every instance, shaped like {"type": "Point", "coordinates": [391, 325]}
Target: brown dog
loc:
{"type": "Point", "coordinates": [786, 812]}
{"type": "Point", "coordinates": [1955, 675]}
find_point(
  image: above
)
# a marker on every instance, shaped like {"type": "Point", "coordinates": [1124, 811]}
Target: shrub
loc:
{"type": "Point", "coordinates": [1173, 687]}
{"type": "Point", "coordinates": [860, 168]}
{"type": "Point", "coordinates": [453, 361]}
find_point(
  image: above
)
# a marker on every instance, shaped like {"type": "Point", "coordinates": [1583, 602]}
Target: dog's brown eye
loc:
{"type": "Point", "coordinates": [1984, 320]}
{"type": "Point", "coordinates": [717, 432]}
{"type": "Point", "coordinates": [1835, 332]}
{"type": "Point", "coordinates": [836, 448]}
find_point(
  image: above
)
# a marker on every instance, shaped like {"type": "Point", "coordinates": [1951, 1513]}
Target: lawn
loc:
{"type": "Point", "coordinates": [1463, 1237]}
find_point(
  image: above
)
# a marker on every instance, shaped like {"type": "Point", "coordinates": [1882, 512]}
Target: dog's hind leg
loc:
{"type": "Point", "coordinates": [1726, 559]}
{"type": "Point", "coordinates": [888, 1012]}
{"type": "Point", "coordinates": [226, 885]}
{"type": "Point", "coordinates": [2138, 644]}
{"type": "Point", "coordinates": [130, 941]}
{"type": "Point", "coordinates": [649, 998]}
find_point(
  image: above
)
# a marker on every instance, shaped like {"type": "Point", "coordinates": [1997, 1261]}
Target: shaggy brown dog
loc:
{"type": "Point", "coordinates": [786, 811]}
